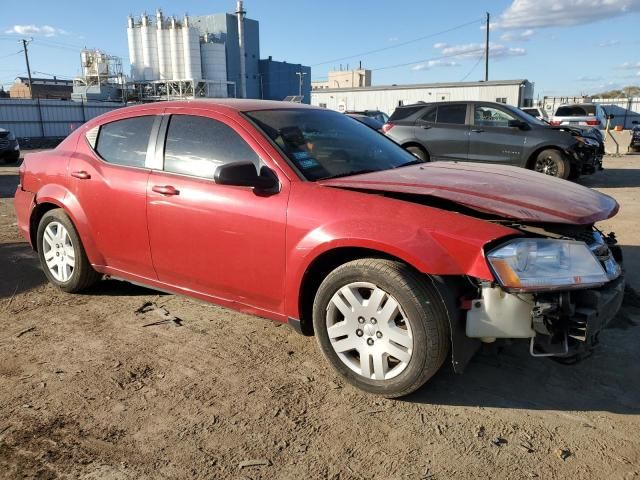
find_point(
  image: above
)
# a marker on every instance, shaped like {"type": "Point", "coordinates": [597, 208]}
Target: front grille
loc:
{"type": "Point", "coordinates": [4, 143]}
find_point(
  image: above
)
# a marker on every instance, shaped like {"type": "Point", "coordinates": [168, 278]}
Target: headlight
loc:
{"type": "Point", "coordinates": [541, 264]}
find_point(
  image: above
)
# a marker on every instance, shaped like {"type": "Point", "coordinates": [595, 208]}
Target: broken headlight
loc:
{"type": "Point", "coordinates": [532, 264]}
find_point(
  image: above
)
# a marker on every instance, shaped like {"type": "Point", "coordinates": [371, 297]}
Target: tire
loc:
{"type": "Point", "coordinates": [419, 152]}
{"type": "Point", "coordinates": [574, 173]}
{"type": "Point", "coordinates": [69, 268]}
{"type": "Point", "coordinates": [419, 326]}
{"type": "Point", "coordinates": [553, 163]}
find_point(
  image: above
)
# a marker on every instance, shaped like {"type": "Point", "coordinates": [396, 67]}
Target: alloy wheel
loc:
{"type": "Point", "coordinates": [369, 331]}
{"type": "Point", "coordinates": [59, 252]}
{"type": "Point", "coordinates": [547, 165]}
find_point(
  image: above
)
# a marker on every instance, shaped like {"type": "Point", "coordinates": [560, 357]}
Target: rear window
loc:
{"type": "Point", "coordinates": [124, 142]}
{"type": "Point", "coordinates": [405, 112]}
{"type": "Point", "coordinates": [452, 114]}
{"type": "Point", "coordinates": [576, 111]}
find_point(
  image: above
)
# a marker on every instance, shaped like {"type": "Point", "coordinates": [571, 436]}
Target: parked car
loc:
{"type": "Point", "coordinates": [9, 146]}
{"type": "Point", "coordinates": [377, 114]}
{"type": "Point", "coordinates": [580, 114]}
{"type": "Point", "coordinates": [393, 264]}
{"type": "Point", "coordinates": [491, 133]}
{"type": "Point", "coordinates": [635, 137]}
{"type": "Point", "coordinates": [537, 112]}
{"type": "Point", "coordinates": [368, 121]}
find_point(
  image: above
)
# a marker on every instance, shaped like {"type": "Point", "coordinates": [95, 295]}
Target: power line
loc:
{"type": "Point", "coordinates": [459, 54]}
{"type": "Point", "coordinates": [475, 65]}
{"type": "Point", "coordinates": [457, 27]}
{"type": "Point", "coordinates": [11, 54]}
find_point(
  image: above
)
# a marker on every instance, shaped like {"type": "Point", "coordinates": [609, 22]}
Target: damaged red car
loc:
{"type": "Point", "coordinates": [303, 215]}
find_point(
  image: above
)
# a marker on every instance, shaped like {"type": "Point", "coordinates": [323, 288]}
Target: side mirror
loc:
{"type": "Point", "coordinates": [244, 174]}
{"type": "Point", "coordinates": [518, 124]}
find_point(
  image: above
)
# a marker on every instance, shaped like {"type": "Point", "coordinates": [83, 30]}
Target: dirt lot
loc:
{"type": "Point", "coordinates": [91, 386]}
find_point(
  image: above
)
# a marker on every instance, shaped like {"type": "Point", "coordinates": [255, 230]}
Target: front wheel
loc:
{"type": "Point", "coordinates": [419, 152]}
{"type": "Point", "coordinates": [381, 325]}
{"type": "Point", "coordinates": [553, 163]}
{"type": "Point", "coordinates": [62, 256]}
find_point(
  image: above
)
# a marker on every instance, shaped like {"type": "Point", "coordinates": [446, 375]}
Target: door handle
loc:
{"type": "Point", "coordinates": [82, 175]}
{"type": "Point", "coordinates": [165, 190]}
{"type": "Point", "coordinates": [426, 127]}
{"type": "Point", "coordinates": [477, 130]}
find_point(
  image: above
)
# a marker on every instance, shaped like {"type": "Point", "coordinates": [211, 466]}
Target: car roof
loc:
{"type": "Point", "coordinates": [451, 102]}
{"type": "Point", "coordinates": [237, 104]}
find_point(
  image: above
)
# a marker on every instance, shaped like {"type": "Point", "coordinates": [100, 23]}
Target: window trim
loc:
{"type": "Point", "coordinates": [489, 105]}
{"type": "Point", "coordinates": [154, 130]}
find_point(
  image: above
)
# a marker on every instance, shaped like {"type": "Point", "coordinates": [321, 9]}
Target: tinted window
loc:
{"type": "Point", "coordinates": [199, 145]}
{"type": "Point", "coordinates": [576, 111]}
{"type": "Point", "coordinates": [491, 117]}
{"type": "Point", "coordinates": [324, 144]}
{"type": "Point", "coordinates": [430, 115]}
{"type": "Point", "coordinates": [405, 112]}
{"type": "Point", "coordinates": [125, 142]}
{"type": "Point", "coordinates": [452, 114]}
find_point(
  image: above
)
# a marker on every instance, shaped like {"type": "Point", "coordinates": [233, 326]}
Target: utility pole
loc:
{"type": "Point", "coordinates": [26, 58]}
{"type": "Point", "coordinates": [300, 76]}
{"type": "Point", "coordinates": [486, 53]}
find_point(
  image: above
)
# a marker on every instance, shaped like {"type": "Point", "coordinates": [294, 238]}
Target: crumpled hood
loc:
{"type": "Point", "coordinates": [509, 192]}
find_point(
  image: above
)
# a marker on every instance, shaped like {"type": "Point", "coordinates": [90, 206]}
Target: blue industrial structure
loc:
{"type": "Point", "coordinates": [281, 79]}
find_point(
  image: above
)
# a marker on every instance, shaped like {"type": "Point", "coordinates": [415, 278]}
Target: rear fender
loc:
{"type": "Point", "coordinates": [60, 196]}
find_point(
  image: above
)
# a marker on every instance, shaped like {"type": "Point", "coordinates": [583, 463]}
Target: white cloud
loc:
{"type": "Point", "coordinates": [587, 78]}
{"type": "Point", "coordinates": [45, 30]}
{"type": "Point", "coordinates": [629, 65]}
{"type": "Point", "coordinates": [476, 50]}
{"type": "Point", "coordinates": [523, 36]}
{"type": "Point", "coordinates": [549, 13]}
{"type": "Point", "coordinates": [439, 45]}
{"type": "Point", "coordinates": [608, 43]}
{"type": "Point", "coordinates": [435, 64]}
{"type": "Point", "coordinates": [392, 39]}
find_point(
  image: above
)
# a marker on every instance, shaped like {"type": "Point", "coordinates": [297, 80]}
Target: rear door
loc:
{"type": "Point", "coordinates": [491, 138]}
{"type": "Point", "coordinates": [109, 178]}
{"type": "Point", "coordinates": [444, 131]}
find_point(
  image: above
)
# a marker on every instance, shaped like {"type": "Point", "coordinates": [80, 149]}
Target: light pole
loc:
{"type": "Point", "coordinates": [300, 76]}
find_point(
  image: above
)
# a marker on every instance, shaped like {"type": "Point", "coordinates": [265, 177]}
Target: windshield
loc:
{"type": "Point", "coordinates": [530, 119]}
{"type": "Point", "coordinates": [325, 144]}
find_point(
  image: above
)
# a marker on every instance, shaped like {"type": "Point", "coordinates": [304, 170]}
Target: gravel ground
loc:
{"type": "Point", "coordinates": [92, 386]}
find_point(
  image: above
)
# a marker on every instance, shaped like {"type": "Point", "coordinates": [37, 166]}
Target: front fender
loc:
{"type": "Point", "coordinates": [64, 198]}
{"type": "Point", "coordinates": [433, 241]}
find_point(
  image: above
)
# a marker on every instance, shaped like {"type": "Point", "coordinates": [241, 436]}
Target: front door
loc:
{"type": "Point", "coordinates": [491, 138]}
{"type": "Point", "coordinates": [223, 241]}
{"type": "Point", "coordinates": [109, 179]}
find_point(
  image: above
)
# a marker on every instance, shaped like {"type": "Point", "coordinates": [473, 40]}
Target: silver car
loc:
{"type": "Point", "coordinates": [580, 114]}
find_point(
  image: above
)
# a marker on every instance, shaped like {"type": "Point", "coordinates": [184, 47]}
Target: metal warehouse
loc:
{"type": "Point", "coordinates": [387, 97]}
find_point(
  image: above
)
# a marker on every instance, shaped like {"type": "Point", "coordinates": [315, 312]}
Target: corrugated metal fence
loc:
{"type": "Point", "coordinates": [48, 118]}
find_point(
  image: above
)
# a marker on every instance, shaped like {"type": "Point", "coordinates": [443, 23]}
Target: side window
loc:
{"type": "Point", "coordinates": [454, 114]}
{"type": "Point", "coordinates": [430, 115]}
{"type": "Point", "coordinates": [125, 142]}
{"type": "Point", "coordinates": [199, 145]}
{"type": "Point", "coordinates": [491, 117]}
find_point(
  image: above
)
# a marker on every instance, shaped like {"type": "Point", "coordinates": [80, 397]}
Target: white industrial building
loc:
{"type": "Point", "coordinates": [387, 97]}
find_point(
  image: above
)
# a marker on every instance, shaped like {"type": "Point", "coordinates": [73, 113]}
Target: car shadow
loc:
{"type": "Point", "coordinates": [8, 185]}
{"type": "Point", "coordinates": [612, 178]}
{"type": "Point", "coordinates": [20, 269]}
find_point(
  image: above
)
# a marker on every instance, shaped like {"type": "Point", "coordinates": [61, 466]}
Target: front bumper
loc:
{"type": "Point", "coordinates": [587, 158]}
{"type": "Point", "coordinates": [9, 148]}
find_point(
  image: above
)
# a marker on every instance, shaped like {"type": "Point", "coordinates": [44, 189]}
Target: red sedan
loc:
{"type": "Point", "coordinates": [304, 215]}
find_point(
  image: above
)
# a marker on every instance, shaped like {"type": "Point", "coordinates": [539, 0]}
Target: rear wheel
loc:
{"type": "Point", "coordinates": [419, 152]}
{"type": "Point", "coordinates": [381, 325]}
{"type": "Point", "coordinates": [62, 256]}
{"type": "Point", "coordinates": [553, 163]}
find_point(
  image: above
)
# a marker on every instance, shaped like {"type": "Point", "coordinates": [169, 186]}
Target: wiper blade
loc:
{"type": "Point", "coordinates": [412, 162]}
{"type": "Point", "coordinates": [348, 174]}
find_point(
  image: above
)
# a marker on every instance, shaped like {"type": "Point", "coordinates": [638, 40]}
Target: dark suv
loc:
{"type": "Point", "coordinates": [491, 132]}
{"type": "Point", "coordinates": [9, 148]}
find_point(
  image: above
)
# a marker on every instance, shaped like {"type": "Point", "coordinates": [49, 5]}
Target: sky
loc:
{"type": "Point", "coordinates": [566, 47]}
